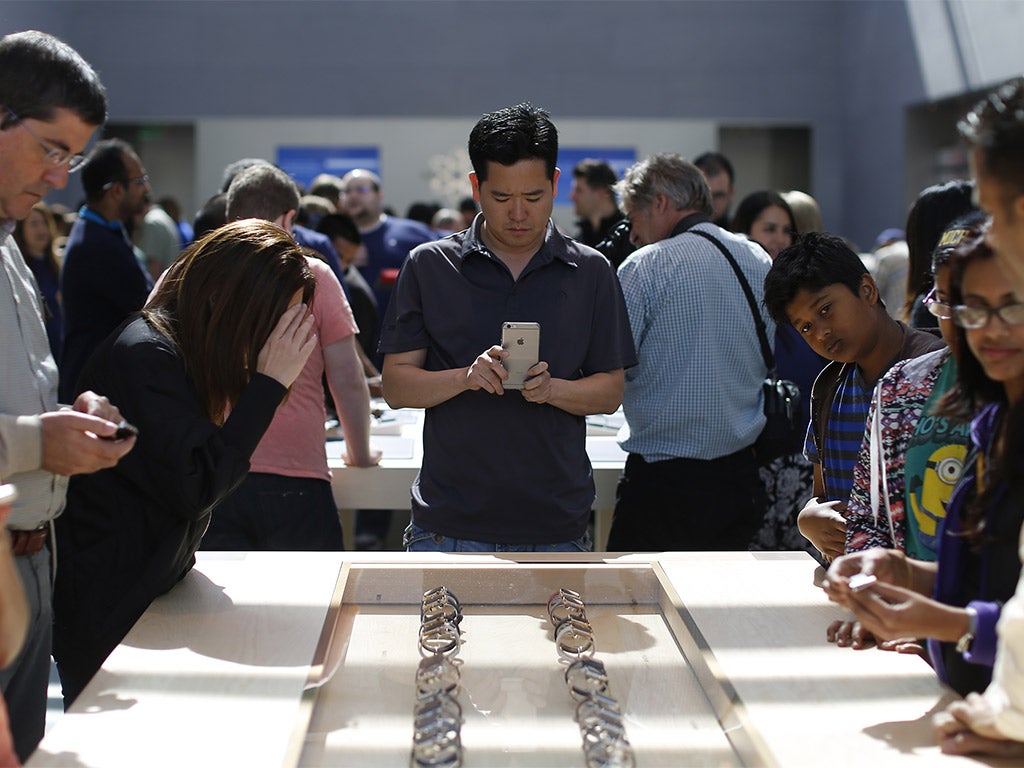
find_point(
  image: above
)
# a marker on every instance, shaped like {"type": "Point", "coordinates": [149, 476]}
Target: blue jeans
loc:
{"type": "Point", "coordinates": [417, 539]}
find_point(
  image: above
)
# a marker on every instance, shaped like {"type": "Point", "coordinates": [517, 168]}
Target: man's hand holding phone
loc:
{"type": "Point", "coordinates": [487, 372]}
{"type": "Point", "coordinates": [84, 438]}
{"type": "Point", "coordinates": [537, 388]}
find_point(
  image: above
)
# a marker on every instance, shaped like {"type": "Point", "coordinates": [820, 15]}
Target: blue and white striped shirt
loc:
{"type": "Point", "coordinates": [696, 391]}
{"type": "Point", "coordinates": [848, 413]}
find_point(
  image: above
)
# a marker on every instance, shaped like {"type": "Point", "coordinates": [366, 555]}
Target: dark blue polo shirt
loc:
{"type": "Point", "coordinates": [498, 468]}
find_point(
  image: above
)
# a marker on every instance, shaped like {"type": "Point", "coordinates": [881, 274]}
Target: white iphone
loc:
{"type": "Point", "coordinates": [522, 340]}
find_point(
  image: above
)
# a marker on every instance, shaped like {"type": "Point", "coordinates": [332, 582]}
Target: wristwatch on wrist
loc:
{"type": "Point", "coordinates": [964, 643]}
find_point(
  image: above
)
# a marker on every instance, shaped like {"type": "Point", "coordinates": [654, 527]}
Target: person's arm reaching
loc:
{"type": "Point", "coordinates": [345, 377]}
{"type": "Point", "coordinates": [408, 385]}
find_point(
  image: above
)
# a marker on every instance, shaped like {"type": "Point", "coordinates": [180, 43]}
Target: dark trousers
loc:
{"type": "Point", "coordinates": [276, 513]}
{"type": "Point", "coordinates": [687, 504]}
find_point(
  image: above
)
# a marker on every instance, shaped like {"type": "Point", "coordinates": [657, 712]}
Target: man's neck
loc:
{"type": "Point", "coordinates": [515, 260]}
{"type": "Point", "coordinates": [598, 216]}
{"type": "Point", "coordinates": [891, 337]}
{"type": "Point", "coordinates": [683, 220]}
{"type": "Point", "coordinates": [370, 222]}
{"type": "Point", "coordinates": [106, 210]}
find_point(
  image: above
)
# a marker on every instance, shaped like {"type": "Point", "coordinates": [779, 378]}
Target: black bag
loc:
{"type": "Point", "coordinates": [784, 429]}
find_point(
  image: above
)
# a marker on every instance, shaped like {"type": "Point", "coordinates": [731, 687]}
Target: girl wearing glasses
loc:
{"type": "Point", "coordinates": [978, 567]}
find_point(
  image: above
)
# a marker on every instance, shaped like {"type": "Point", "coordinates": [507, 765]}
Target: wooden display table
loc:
{"type": "Point", "coordinates": [285, 659]}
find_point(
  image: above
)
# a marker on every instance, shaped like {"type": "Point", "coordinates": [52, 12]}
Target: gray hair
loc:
{"type": "Point", "coordinates": [671, 175]}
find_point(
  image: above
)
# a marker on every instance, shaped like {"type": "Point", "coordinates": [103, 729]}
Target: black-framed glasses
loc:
{"type": "Point", "coordinates": [142, 181]}
{"type": "Point", "coordinates": [55, 156]}
{"type": "Point", "coordinates": [937, 308]}
{"type": "Point", "coordinates": [978, 317]}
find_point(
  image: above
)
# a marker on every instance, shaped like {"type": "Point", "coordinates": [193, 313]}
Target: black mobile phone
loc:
{"type": "Point", "coordinates": [124, 431]}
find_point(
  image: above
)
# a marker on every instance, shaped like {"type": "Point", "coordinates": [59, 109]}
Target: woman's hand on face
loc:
{"type": "Point", "coordinates": [290, 343]}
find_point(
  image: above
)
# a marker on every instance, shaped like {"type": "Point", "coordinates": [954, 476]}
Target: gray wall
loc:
{"type": "Point", "coordinates": [847, 69]}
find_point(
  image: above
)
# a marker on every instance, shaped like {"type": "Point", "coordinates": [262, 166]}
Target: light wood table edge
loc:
{"type": "Point", "coordinates": [319, 669]}
{"type": "Point", "coordinates": [725, 701]}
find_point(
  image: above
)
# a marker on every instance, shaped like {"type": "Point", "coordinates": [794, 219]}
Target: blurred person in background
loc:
{"type": "Point", "coordinates": [36, 235]}
{"type": "Point", "coordinates": [765, 217]}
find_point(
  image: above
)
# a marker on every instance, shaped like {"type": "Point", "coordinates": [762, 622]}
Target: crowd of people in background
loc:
{"type": "Point", "coordinates": [201, 360]}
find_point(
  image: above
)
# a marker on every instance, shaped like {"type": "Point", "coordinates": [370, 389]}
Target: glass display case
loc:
{"type": "Point", "coordinates": [517, 709]}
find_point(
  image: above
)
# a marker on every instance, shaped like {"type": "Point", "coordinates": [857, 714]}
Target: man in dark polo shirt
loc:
{"type": "Point", "coordinates": [505, 470]}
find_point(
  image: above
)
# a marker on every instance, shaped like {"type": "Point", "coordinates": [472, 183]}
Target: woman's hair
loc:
{"type": "Point", "coordinates": [973, 390]}
{"type": "Point", "coordinates": [50, 254]}
{"type": "Point", "coordinates": [929, 216]}
{"type": "Point", "coordinates": [961, 230]}
{"type": "Point", "coordinates": [752, 205]}
{"type": "Point", "coordinates": [220, 300]}
{"type": "Point", "coordinates": [806, 214]}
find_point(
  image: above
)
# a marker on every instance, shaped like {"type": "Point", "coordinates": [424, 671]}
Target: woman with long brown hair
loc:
{"type": "Point", "coordinates": [35, 236]}
{"type": "Point", "coordinates": [200, 373]}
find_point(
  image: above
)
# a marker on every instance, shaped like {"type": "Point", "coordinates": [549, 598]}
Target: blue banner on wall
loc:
{"type": "Point", "coordinates": [619, 158]}
{"type": "Point", "coordinates": [306, 163]}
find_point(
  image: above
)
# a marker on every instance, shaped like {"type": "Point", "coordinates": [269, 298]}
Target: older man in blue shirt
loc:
{"type": "Point", "coordinates": [693, 403]}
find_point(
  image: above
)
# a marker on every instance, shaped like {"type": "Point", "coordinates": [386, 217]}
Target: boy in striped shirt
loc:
{"type": "Point", "coordinates": [822, 288]}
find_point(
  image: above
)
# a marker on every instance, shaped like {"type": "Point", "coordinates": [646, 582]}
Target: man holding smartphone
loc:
{"type": "Point", "coordinates": [51, 101]}
{"type": "Point", "coordinates": [505, 470]}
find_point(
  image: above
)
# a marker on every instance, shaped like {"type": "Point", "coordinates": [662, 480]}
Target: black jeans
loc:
{"type": "Point", "coordinates": [687, 504]}
{"type": "Point", "coordinates": [276, 513]}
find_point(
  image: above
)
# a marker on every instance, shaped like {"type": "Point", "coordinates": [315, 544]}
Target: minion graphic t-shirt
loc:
{"type": "Point", "coordinates": [934, 463]}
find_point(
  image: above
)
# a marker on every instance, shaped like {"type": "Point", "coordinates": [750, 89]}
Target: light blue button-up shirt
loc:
{"type": "Point", "coordinates": [696, 392]}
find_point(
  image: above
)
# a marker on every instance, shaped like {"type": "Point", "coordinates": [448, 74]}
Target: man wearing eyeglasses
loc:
{"type": "Point", "coordinates": [51, 101]}
{"type": "Point", "coordinates": [102, 282]}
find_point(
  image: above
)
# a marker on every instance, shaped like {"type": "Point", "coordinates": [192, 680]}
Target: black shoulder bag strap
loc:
{"type": "Point", "coordinates": [762, 331]}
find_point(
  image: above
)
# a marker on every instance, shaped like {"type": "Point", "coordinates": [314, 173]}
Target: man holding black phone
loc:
{"type": "Point", "coordinates": [505, 470]}
{"type": "Point", "coordinates": [51, 101]}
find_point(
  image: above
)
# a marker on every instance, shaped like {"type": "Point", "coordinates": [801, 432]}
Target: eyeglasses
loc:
{"type": "Point", "coordinates": [978, 317]}
{"type": "Point", "coordinates": [55, 156]}
{"type": "Point", "coordinates": [142, 181]}
{"type": "Point", "coordinates": [937, 308]}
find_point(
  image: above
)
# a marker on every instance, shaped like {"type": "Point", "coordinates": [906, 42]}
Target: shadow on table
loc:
{"type": "Point", "coordinates": [198, 615]}
{"type": "Point", "coordinates": [917, 737]}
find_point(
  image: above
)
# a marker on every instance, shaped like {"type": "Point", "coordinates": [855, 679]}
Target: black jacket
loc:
{"type": "Point", "coordinates": [130, 533]}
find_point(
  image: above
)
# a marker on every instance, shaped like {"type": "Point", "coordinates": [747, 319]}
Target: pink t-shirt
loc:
{"type": "Point", "coordinates": [294, 443]}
